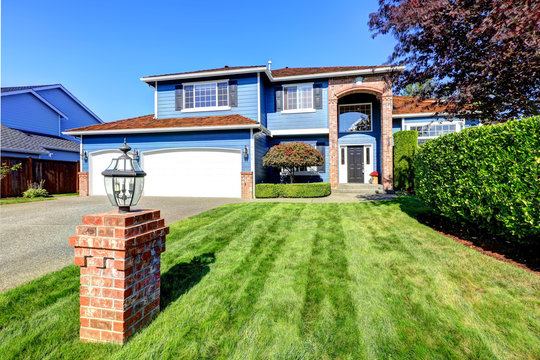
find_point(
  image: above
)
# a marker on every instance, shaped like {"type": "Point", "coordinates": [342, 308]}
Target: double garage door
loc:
{"type": "Point", "coordinates": [179, 172]}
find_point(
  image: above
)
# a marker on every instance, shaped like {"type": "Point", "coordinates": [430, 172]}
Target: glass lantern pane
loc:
{"type": "Point", "coordinates": [139, 184]}
{"type": "Point", "coordinates": [109, 190]}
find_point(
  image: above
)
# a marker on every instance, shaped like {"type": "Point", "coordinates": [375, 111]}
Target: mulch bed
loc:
{"type": "Point", "coordinates": [524, 256]}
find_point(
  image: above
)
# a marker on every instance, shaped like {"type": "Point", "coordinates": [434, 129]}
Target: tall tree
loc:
{"type": "Point", "coordinates": [483, 55]}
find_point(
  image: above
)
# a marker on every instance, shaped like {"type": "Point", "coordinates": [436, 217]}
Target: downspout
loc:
{"type": "Point", "coordinates": [252, 151]}
{"type": "Point", "coordinates": [155, 101]}
{"type": "Point", "coordinates": [81, 156]}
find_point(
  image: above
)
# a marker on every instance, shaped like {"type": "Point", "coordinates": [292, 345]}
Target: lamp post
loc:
{"type": "Point", "coordinates": [124, 180]}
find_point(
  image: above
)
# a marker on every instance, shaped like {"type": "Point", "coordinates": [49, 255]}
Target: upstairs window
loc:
{"type": "Point", "coordinates": [355, 117]}
{"type": "Point", "coordinates": [298, 97]}
{"type": "Point", "coordinates": [427, 131]}
{"type": "Point", "coordinates": [207, 95]}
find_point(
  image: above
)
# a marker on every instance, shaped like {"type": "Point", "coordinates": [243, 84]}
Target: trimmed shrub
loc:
{"type": "Point", "coordinates": [292, 190]}
{"type": "Point", "coordinates": [488, 176]}
{"type": "Point", "coordinates": [267, 190]}
{"type": "Point", "coordinates": [405, 145]}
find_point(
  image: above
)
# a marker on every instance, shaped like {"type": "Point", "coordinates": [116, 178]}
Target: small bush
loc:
{"type": "Point", "coordinates": [405, 145]}
{"type": "Point", "coordinates": [488, 176]}
{"type": "Point", "coordinates": [36, 190]}
{"type": "Point", "coordinates": [292, 190]}
{"type": "Point", "coordinates": [267, 190]}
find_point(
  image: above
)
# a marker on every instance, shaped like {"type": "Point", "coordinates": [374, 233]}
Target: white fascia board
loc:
{"type": "Point", "coordinates": [405, 116]}
{"type": "Point", "coordinates": [61, 87]}
{"type": "Point", "coordinates": [319, 131]}
{"type": "Point", "coordinates": [170, 129]}
{"type": "Point", "coordinates": [31, 91]}
{"type": "Point", "coordinates": [150, 79]}
{"type": "Point", "coordinates": [338, 73]}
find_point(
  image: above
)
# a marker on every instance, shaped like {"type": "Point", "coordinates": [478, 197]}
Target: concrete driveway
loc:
{"type": "Point", "coordinates": [34, 236]}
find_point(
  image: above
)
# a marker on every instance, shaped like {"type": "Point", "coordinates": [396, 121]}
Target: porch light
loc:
{"type": "Point", "coordinates": [245, 152]}
{"type": "Point", "coordinates": [124, 180]}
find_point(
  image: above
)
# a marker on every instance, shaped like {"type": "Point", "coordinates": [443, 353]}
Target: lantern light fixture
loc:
{"type": "Point", "coordinates": [124, 180]}
{"type": "Point", "coordinates": [246, 152]}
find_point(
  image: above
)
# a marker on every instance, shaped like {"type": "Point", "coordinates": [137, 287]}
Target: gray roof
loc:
{"type": "Point", "coordinates": [17, 140]}
{"type": "Point", "coordinates": [18, 88]}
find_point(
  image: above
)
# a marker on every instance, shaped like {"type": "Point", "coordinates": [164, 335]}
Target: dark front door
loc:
{"type": "Point", "coordinates": [355, 164]}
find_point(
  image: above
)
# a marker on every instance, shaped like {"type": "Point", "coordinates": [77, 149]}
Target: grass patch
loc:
{"type": "Point", "coordinates": [24, 200]}
{"type": "Point", "coordinates": [301, 281]}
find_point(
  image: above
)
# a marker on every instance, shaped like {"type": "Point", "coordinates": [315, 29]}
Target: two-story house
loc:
{"type": "Point", "coordinates": [211, 128]}
{"type": "Point", "coordinates": [33, 119]}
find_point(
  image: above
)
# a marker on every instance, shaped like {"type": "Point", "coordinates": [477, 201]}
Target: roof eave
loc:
{"type": "Point", "coordinates": [169, 129]}
{"type": "Point", "coordinates": [382, 70]}
{"type": "Point", "coordinates": [24, 151]}
{"type": "Point", "coordinates": [151, 79]}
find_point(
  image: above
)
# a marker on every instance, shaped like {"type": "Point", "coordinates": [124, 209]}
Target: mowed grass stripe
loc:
{"type": "Point", "coordinates": [220, 303]}
{"type": "Point", "coordinates": [273, 329]}
{"type": "Point", "coordinates": [329, 315]}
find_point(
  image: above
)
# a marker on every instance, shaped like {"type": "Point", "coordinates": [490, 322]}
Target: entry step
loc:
{"type": "Point", "coordinates": [363, 189]}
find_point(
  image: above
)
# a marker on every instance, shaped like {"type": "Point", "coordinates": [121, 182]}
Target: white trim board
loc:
{"type": "Point", "coordinates": [168, 129]}
{"type": "Point", "coordinates": [315, 131]}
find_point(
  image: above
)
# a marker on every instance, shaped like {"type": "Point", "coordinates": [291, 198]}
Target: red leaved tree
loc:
{"type": "Point", "coordinates": [291, 155]}
{"type": "Point", "coordinates": [482, 55]}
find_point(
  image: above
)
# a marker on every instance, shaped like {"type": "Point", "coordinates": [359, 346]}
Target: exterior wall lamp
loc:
{"type": "Point", "coordinates": [124, 181]}
{"type": "Point", "coordinates": [85, 155]}
{"type": "Point", "coordinates": [245, 152]}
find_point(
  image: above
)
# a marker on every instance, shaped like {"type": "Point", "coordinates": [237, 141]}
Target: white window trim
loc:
{"type": "Point", "coordinates": [296, 111]}
{"type": "Point", "coordinates": [207, 108]}
{"type": "Point", "coordinates": [370, 117]}
{"type": "Point", "coordinates": [460, 126]}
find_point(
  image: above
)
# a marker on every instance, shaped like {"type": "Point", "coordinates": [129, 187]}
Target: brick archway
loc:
{"type": "Point", "coordinates": [382, 88]}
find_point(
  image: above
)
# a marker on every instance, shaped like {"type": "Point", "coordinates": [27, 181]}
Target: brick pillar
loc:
{"type": "Point", "coordinates": [82, 178]}
{"type": "Point", "coordinates": [119, 255]}
{"type": "Point", "coordinates": [387, 152]}
{"type": "Point", "coordinates": [247, 184]}
{"type": "Point", "coordinates": [333, 141]}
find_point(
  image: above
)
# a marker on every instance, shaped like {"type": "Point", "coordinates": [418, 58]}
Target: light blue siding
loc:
{"type": "Point", "coordinates": [323, 176]}
{"type": "Point", "coordinates": [261, 147]}
{"type": "Point", "coordinates": [263, 104]}
{"type": "Point", "coordinates": [396, 125]}
{"type": "Point", "coordinates": [27, 112]}
{"type": "Point", "coordinates": [61, 155]}
{"type": "Point", "coordinates": [145, 142]}
{"type": "Point", "coordinates": [77, 115]}
{"type": "Point", "coordinates": [247, 101]}
{"type": "Point", "coordinates": [308, 120]}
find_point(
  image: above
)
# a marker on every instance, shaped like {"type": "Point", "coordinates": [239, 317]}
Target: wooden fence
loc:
{"type": "Point", "coordinates": [60, 176]}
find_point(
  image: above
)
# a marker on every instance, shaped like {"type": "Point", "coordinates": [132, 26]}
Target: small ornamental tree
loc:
{"type": "Point", "coordinates": [291, 155]}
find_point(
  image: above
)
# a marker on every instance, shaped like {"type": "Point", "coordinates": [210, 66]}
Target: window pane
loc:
{"type": "Point", "coordinates": [205, 95]}
{"type": "Point", "coordinates": [290, 98]}
{"type": "Point", "coordinates": [306, 97]}
{"type": "Point", "coordinates": [355, 117]}
{"type": "Point", "coordinates": [188, 97]}
{"type": "Point", "coordinates": [223, 94]}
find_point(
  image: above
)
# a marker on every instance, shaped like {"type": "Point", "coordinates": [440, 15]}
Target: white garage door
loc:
{"type": "Point", "coordinates": [97, 162]}
{"type": "Point", "coordinates": [192, 172]}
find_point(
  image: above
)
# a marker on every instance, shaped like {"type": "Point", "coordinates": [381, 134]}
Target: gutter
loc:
{"type": "Point", "coordinates": [336, 74]}
{"type": "Point", "coordinates": [148, 79]}
{"type": "Point", "coordinates": [169, 129]}
{"type": "Point", "coordinates": [399, 116]}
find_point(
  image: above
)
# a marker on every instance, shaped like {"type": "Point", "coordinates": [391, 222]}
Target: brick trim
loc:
{"type": "Point", "coordinates": [120, 256]}
{"type": "Point", "coordinates": [82, 180]}
{"type": "Point", "coordinates": [247, 184]}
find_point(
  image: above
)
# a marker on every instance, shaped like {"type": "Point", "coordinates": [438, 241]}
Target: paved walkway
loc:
{"type": "Point", "coordinates": [34, 236]}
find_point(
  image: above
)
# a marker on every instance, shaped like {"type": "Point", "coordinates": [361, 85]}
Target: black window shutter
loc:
{"type": "Point", "coordinates": [233, 93]}
{"type": "Point", "coordinates": [178, 92]}
{"type": "Point", "coordinates": [279, 98]}
{"type": "Point", "coordinates": [320, 148]}
{"type": "Point", "coordinates": [317, 96]}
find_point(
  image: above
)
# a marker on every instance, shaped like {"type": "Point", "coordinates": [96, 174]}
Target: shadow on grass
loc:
{"type": "Point", "coordinates": [183, 276]}
{"type": "Point", "coordinates": [525, 254]}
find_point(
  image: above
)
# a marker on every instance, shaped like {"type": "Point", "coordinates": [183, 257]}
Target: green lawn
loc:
{"type": "Point", "coordinates": [24, 200]}
{"type": "Point", "coordinates": [302, 281]}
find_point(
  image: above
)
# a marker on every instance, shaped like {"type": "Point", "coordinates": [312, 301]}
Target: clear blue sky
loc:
{"type": "Point", "coordinates": [99, 49]}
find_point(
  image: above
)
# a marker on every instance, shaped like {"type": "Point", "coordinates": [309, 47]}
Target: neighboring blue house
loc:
{"type": "Point", "coordinates": [211, 128]}
{"type": "Point", "coordinates": [34, 117]}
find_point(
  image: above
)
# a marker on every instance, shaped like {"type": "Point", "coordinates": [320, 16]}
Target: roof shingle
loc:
{"type": "Point", "coordinates": [319, 70]}
{"type": "Point", "coordinates": [24, 141]}
{"type": "Point", "coordinates": [413, 105]}
{"type": "Point", "coordinates": [148, 122]}
{"type": "Point", "coordinates": [18, 88]}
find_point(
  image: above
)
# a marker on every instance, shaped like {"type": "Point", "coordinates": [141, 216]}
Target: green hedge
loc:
{"type": "Point", "coordinates": [486, 175]}
{"type": "Point", "coordinates": [405, 145]}
{"type": "Point", "coordinates": [292, 190]}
